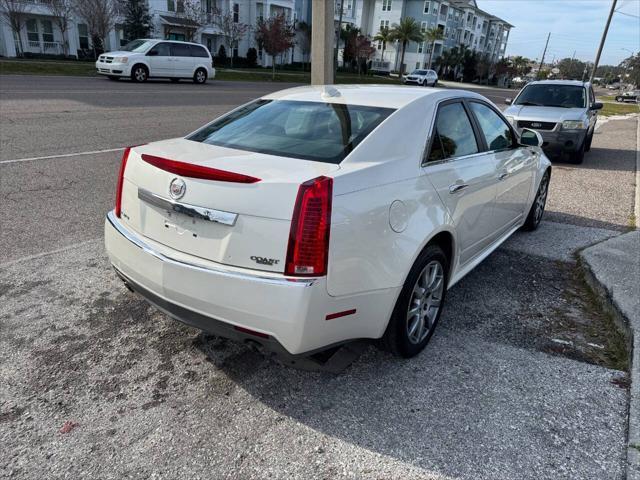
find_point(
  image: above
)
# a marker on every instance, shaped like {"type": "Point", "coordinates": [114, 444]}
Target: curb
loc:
{"type": "Point", "coordinates": [630, 324]}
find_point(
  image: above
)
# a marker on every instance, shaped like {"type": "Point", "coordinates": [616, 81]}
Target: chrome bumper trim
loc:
{"type": "Point", "coordinates": [252, 277]}
{"type": "Point", "coordinates": [216, 216]}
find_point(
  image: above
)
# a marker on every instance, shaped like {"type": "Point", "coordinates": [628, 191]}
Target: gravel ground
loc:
{"type": "Point", "coordinates": [522, 379]}
{"type": "Point", "coordinates": [151, 397]}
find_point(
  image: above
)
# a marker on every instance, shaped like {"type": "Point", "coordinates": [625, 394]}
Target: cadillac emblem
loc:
{"type": "Point", "coordinates": [177, 188]}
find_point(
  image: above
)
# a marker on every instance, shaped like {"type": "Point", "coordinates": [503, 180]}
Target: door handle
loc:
{"type": "Point", "coordinates": [457, 187]}
{"type": "Point", "coordinates": [503, 175]}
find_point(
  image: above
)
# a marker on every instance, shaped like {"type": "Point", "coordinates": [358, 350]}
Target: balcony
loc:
{"type": "Point", "coordinates": [47, 48]}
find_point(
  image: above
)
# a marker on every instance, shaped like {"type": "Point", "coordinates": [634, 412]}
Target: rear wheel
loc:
{"type": "Point", "coordinates": [619, 99]}
{"type": "Point", "coordinates": [200, 76]}
{"type": "Point", "coordinates": [139, 73]}
{"type": "Point", "coordinates": [419, 305]}
{"type": "Point", "coordinates": [537, 209]}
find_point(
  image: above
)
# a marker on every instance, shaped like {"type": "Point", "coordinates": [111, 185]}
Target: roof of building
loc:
{"type": "Point", "coordinates": [472, 4]}
{"type": "Point", "coordinates": [384, 96]}
{"type": "Point", "coordinates": [178, 22]}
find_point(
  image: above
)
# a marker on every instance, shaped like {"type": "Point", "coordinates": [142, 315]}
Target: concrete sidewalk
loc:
{"type": "Point", "coordinates": [613, 268]}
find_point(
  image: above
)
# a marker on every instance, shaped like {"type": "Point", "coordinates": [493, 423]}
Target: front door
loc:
{"type": "Point", "coordinates": [160, 61]}
{"type": "Point", "coordinates": [464, 177]}
{"type": "Point", "coordinates": [514, 167]}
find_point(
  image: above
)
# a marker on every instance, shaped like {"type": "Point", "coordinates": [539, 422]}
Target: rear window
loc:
{"type": "Point", "coordinates": [323, 132]}
{"type": "Point", "coordinates": [197, 51]}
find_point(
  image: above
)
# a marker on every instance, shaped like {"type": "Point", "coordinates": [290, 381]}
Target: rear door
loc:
{"type": "Point", "coordinates": [514, 166]}
{"type": "Point", "coordinates": [464, 177]}
{"type": "Point", "coordinates": [160, 60]}
{"type": "Point", "coordinates": [183, 63]}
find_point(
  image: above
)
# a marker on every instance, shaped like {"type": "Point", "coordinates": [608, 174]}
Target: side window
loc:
{"type": "Point", "coordinates": [198, 51]}
{"type": "Point", "coordinates": [162, 49]}
{"type": "Point", "coordinates": [453, 135]}
{"type": "Point", "coordinates": [180, 50]}
{"type": "Point", "coordinates": [496, 131]}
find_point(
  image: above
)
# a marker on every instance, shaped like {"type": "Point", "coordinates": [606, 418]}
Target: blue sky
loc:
{"type": "Point", "coordinates": [574, 25]}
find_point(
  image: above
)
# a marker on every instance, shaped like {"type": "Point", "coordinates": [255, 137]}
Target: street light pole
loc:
{"type": "Point", "coordinates": [602, 40]}
{"type": "Point", "coordinates": [543, 54]}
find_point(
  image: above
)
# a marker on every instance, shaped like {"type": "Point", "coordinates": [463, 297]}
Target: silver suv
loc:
{"type": "Point", "coordinates": [564, 112]}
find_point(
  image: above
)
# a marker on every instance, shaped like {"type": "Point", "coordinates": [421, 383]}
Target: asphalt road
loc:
{"type": "Point", "coordinates": [519, 381]}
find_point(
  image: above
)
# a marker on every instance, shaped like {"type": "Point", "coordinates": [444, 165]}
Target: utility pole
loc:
{"type": "Point", "coordinates": [604, 37]}
{"type": "Point", "coordinates": [321, 42]}
{"type": "Point", "coordinates": [335, 54]}
{"type": "Point", "coordinates": [543, 54]}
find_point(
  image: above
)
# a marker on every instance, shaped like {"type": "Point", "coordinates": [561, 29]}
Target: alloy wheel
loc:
{"type": "Point", "coordinates": [140, 74]}
{"type": "Point", "coordinates": [425, 302]}
{"type": "Point", "coordinates": [200, 76]}
{"type": "Point", "coordinates": [541, 200]}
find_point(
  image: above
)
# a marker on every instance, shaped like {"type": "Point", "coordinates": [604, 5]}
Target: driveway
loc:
{"type": "Point", "coordinates": [524, 378]}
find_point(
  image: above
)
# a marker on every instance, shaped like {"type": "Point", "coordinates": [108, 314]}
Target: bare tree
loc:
{"type": "Point", "coordinates": [13, 12]}
{"type": "Point", "coordinates": [303, 39]}
{"type": "Point", "coordinates": [194, 13]}
{"type": "Point", "coordinates": [231, 31]}
{"type": "Point", "coordinates": [99, 15]}
{"type": "Point", "coordinates": [61, 11]}
{"type": "Point", "coordinates": [276, 35]}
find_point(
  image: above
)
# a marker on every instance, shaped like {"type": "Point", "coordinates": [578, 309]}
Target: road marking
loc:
{"type": "Point", "coordinates": [63, 155]}
{"type": "Point", "coordinates": [52, 252]}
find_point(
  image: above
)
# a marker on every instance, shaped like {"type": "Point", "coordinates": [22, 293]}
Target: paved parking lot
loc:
{"type": "Point", "coordinates": [522, 380]}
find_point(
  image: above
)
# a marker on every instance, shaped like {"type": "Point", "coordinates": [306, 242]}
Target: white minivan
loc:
{"type": "Point", "coordinates": [145, 58]}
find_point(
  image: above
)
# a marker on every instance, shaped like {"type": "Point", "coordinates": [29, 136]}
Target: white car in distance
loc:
{"type": "Point", "coordinates": [144, 59]}
{"type": "Point", "coordinates": [424, 78]}
{"type": "Point", "coordinates": [318, 215]}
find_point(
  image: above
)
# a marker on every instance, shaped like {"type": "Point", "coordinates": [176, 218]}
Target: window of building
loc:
{"type": "Point", "coordinates": [427, 4]}
{"type": "Point", "coordinates": [47, 31]}
{"type": "Point", "coordinates": [384, 24]}
{"type": "Point", "coordinates": [260, 11]}
{"type": "Point", "coordinates": [83, 36]}
{"type": "Point", "coordinates": [386, 5]}
{"type": "Point", "coordinates": [171, 5]}
{"type": "Point", "coordinates": [180, 6]}
{"type": "Point", "coordinates": [236, 13]}
{"type": "Point", "coordinates": [417, 65]}
{"type": "Point", "coordinates": [32, 30]}
{"type": "Point", "coordinates": [420, 48]}
{"type": "Point", "coordinates": [423, 27]}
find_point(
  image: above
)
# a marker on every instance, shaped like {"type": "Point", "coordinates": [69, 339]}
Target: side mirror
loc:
{"type": "Point", "coordinates": [596, 106]}
{"type": "Point", "coordinates": [508, 101]}
{"type": "Point", "coordinates": [152, 53]}
{"type": "Point", "coordinates": [531, 138]}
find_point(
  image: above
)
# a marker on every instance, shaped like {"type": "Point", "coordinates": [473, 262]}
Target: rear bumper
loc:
{"type": "Point", "coordinates": [289, 315]}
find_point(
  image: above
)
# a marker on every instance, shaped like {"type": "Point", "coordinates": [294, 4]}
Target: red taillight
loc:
{"type": "Point", "coordinates": [308, 250]}
{"type": "Point", "coordinates": [197, 171]}
{"type": "Point", "coordinates": [123, 166]}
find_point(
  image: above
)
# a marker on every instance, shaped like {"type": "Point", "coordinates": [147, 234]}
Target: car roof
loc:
{"type": "Point", "coordinates": [384, 96]}
{"type": "Point", "coordinates": [158, 40]}
{"type": "Point", "coordinates": [577, 83]}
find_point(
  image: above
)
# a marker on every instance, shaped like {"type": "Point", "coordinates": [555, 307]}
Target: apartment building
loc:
{"type": "Point", "coordinates": [461, 21]}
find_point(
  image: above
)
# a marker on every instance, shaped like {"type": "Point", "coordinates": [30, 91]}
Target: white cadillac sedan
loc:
{"type": "Point", "coordinates": [318, 215]}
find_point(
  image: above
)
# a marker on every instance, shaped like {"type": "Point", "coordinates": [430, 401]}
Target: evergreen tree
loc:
{"type": "Point", "coordinates": [137, 21]}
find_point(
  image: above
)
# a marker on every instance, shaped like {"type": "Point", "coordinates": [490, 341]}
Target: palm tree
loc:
{"type": "Point", "coordinates": [407, 31]}
{"type": "Point", "coordinates": [384, 35]}
{"type": "Point", "coordinates": [432, 36]}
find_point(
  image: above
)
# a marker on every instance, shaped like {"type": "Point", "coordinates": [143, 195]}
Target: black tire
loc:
{"type": "Point", "coordinates": [619, 99]}
{"type": "Point", "coordinates": [113, 78]}
{"type": "Point", "coordinates": [535, 215]}
{"type": "Point", "coordinates": [200, 76]}
{"type": "Point", "coordinates": [588, 141]}
{"type": "Point", "coordinates": [139, 73]}
{"type": "Point", "coordinates": [396, 338]}
{"type": "Point", "coordinates": [175, 80]}
{"type": "Point", "coordinates": [577, 157]}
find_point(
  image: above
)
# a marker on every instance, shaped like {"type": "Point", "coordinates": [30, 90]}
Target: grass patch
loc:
{"type": "Point", "coordinates": [609, 109]}
{"type": "Point", "coordinates": [45, 67]}
{"type": "Point", "coordinates": [70, 67]}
